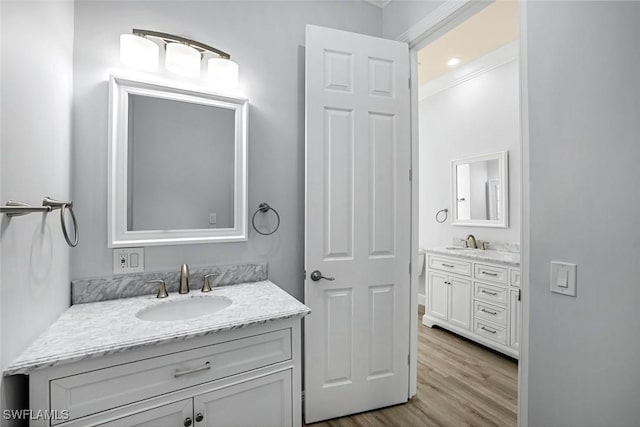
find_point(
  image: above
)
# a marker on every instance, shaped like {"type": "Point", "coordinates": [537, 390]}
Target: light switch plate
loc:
{"type": "Point", "coordinates": [128, 260]}
{"type": "Point", "coordinates": [564, 277]}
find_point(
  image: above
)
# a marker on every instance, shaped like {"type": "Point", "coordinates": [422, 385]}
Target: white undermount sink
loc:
{"type": "Point", "coordinates": [182, 309]}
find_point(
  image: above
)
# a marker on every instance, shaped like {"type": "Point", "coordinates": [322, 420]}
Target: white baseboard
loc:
{"type": "Point", "coordinates": [421, 299]}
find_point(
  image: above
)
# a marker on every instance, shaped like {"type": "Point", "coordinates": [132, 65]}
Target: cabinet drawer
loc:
{"type": "Point", "coordinates": [489, 330]}
{"type": "Point", "coordinates": [490, 293]}
{"type": "Point", "coordinates": [450, 265]}
{"type": "Point", "coordinates": [491, 273]}
{"type": "Point", "coordinates": [493, 313]}
{"type": "Point", "coordinates": [515, 277]}
{"type": "Point", "coordinates": [103, 389]}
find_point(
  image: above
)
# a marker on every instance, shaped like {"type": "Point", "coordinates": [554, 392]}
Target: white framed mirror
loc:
{"type": "Point", "coordinates": [177, 164]}
{"type": "Point", "coordinates": [480, 191]}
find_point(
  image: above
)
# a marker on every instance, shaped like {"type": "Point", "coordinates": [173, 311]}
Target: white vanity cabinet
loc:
{"type": "Point", "coordinates": [449, 299]}
{"type": "Point", "coordinates": [476, 299]}
{"type": "Point", "coordinates": [249, 376]}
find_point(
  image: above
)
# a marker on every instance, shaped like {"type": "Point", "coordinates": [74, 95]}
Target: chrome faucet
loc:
{"type": "Point", "coordinates": [474, 242]}
{"type": "Point", "coordinates": [184, 279]}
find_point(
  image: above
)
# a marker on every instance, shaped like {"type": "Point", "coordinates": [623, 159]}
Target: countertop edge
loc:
{"type": "Point", "coordinates": [36, 364]}
{"type": "Point", "coordinates": [474, 257]}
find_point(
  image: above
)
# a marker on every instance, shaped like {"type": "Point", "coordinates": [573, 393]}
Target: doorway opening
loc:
{"type": "Point", "coordinates": [469, 313]}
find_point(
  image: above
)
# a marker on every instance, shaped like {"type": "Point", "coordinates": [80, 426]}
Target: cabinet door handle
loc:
{"type": "Point", "coordinates": [206, 367]}
{"type": "Point", "coordinates": [488, 330]}
{"type": "Point", "coordinates": [199, 417]}
{"type": "Point", "coordinates": [187, 422]}
{"type": "Point", "coordinates": [448, 265]}
{"type": "Point", "coordinates": [495, 294]}
{"type": "Point", "coordinates": [493, 313]}
{"type": "Point", "coordinates": [490, 274]}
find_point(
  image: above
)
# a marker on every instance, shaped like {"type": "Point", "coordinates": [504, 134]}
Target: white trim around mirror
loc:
{"type": "Point", "coordinates": [119, 90]}
{"type": "Point", "coordinates": [503, 169]}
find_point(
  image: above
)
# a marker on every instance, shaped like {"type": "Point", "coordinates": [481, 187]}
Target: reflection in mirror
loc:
{"type": "Point", "coordinates": [480, 193]}
{"type": "Point", "coordinates": [478, 190]}
{"type": "Point", "coordinates": [180, 165]}
{"type": "Point", "coordinates": [177, 164]}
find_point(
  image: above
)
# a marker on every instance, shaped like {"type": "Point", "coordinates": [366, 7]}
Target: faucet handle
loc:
{"type": "Point", "coordinates": [162, 289]}
{"type": "Point", "coordinates": [206, 284]}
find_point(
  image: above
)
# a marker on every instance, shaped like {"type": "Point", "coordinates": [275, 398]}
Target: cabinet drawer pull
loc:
{"type": "Point", "coordinates": [490, 274]}
{"type": "Point", "coordinates": [448, 265]}
{"type": "Point", "coordinates": [489, 311]}
{"type": "Point", "coordinates": [206, 367]}
{"type": "Point", "coordinates": [488, 330]}
{"type": "Point", "coordinates": [495, 294]}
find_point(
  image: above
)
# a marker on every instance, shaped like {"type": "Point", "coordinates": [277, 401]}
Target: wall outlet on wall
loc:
{"type": "Point", "coordinates": [128, 260]}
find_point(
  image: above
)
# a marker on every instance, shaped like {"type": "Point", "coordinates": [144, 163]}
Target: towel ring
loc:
{"type": "Point", "coordinates": [264, 208]}
{"type": "Point", "coordinates": [64, 225]}
{"type": "Point", "coordinates": [445, 215]}
{"type": "Point", "coordinates": [63, 205]}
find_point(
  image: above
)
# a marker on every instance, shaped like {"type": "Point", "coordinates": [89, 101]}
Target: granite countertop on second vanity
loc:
{"type": "Point", "coordinates": [508, 258]}
{"type": "Point", "coordinates": [106, 327]}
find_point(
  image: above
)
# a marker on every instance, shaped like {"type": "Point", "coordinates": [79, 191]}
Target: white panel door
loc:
{"type": "Point", "coordinates": [357, 223]}
{"type": "Point", "coordinates": [167, 415]}
{"type": "Point", "coordinates": [438, 296]}
{"type": "Point", "coordinates": [261, 402]}
{"type": "Point", "coordinates": [460, 302]}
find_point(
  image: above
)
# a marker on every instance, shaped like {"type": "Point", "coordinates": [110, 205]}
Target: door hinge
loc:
{"type": "Point", "coordinates": [410, 174]}
{"type": "Point", "coordinates": [305, 274]}
{"type": "Point", "coordinates": [519, 294]}
{"type": "Point", "coordinates": [409, 80]}
{"type": "Point", "coordinates": [409, 269]}
{"type": "Point", "coordinates": [408, 359]}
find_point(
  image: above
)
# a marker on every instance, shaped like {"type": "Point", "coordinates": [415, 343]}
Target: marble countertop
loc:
{"type": "Point", "coordinates": [507, 258]}
{"type": "Point", "coordinates": [106, 327]}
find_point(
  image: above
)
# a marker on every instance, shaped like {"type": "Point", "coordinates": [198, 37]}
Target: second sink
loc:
{"type": "Point", "coordinates": [182, 309]}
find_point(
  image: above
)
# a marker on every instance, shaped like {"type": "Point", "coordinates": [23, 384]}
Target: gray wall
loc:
{"type": "Point", "coordinates": [266, 39]}
{"type": "Point", "coordinates": [36, 81]}
{"type": "Point", "coordinates": [478, 116]}
{"type": "Point", "coordinates": [583, 66]}
{"type": "Point", "coordinates": [400, 15]}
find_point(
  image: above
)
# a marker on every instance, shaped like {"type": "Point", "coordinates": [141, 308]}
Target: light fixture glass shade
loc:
{"type": "Point", "coordinates": [182, 60]}
{"type": "Point", "coordinates": [222, 73]}
{"type": "Point", "coordinates": [138, 52]}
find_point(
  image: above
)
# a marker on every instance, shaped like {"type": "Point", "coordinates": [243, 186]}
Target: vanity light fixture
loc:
{"type": "Point", "coordinates": [453, 62]}
{"type": "Point", "coordinates": [182, 56]}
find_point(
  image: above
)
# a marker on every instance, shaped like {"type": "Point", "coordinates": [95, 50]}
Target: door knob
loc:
{"type": "Point", "coordinates": [199, 417]}
{"type": "Point", "coordinates": [187, 422]}
{"type": "Point", "coordinates": [316, 275]}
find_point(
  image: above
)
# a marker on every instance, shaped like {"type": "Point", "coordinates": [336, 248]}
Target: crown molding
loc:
{"type": "Point", "coordinates": [471, 70]}
{"type": "Point", "coordinates": [378, 3]}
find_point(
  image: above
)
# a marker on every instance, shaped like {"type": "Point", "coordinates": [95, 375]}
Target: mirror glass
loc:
{"type": "Point", "coordinates": [180, 155]}
{"type": "Point", "coordinates": [177, 165]}
{"type": "Point", "coordinates": [479, 187]}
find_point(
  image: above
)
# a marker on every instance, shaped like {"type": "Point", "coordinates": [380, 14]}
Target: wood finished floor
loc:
{"type": "Point", "coordinates": [460, 383]}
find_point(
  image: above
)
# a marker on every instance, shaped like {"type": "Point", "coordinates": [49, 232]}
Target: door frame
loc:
{"type": "Point", "coordinates": [435, 24]}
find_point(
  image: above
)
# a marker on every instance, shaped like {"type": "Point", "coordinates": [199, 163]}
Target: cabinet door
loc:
{"type": "Point", "coordinates": [460, 302]}
{"type": "Point", "coordinates": [169, 415]}
{"type": "Point", "coordinates": [515, 318]}
{"type": "Point", "coordinates": [437, 295]}
{"type": "Point", "coordinates": [261, 402]}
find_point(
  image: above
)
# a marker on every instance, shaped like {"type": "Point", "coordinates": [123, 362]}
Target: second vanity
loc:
{"type": "Point", "coordinates": [476, 294]}
{"type": "Point", "coordinates": [100, 364]}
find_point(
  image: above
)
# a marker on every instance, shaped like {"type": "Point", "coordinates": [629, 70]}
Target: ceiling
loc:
{"type": "Point", "coordinates": [492, 27]}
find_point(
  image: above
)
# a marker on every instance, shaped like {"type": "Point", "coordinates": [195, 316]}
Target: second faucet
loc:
{"type": "Point", "coordinates": [184, 279]}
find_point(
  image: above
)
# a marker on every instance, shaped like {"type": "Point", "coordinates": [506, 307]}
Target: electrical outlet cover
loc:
{"type": "Point", "coordinates": [128, 260]}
